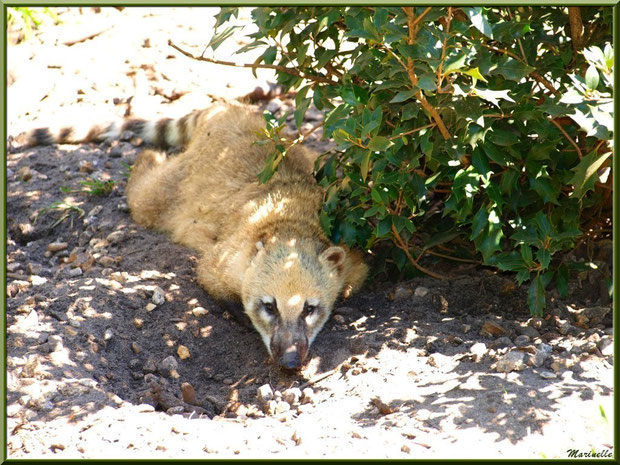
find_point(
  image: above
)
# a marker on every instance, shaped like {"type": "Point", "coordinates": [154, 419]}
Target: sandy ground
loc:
{"type": "Point", "coordinates": [98, 307]}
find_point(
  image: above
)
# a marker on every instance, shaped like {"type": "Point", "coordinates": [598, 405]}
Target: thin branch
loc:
{"type": "Point", "coordinates": [568, 138]}
{"type": "Point", "coordinates": [311, 130]}
{"type": "Point", "coordinates": [282, 69]}
{"type": "Point", "coordinates": [576, 27]}
{"type": "Point", "coordinates": [319, 377]}
{"type": "Point", "coordinates": [403, 246]}
{"type": "Point", "coordinates": [412, 131]}
{"type": "Point", "coordinates": [450, 257]}
{"type": "Point", "coordinates": [443, 50]}
{"type": "Point", "coordinates": [419, 18]}
{"type": "Point", "coordinates": [535, 75]}
{"type": "Point", "coordinates": [412, 26]}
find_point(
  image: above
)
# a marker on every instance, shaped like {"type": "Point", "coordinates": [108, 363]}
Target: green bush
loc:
{"type": "Point", "coordinates": [454, 127]}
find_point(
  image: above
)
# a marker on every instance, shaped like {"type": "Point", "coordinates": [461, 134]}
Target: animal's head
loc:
{"type": "Point", "coordinates": [288, 292]}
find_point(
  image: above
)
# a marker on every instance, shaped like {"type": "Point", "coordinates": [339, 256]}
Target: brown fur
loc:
{"type": "Point", "coordinates": [208, 198]}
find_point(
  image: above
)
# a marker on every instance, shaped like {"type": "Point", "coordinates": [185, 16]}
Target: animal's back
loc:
{"type": "Point", "coordinates": [211, 189]}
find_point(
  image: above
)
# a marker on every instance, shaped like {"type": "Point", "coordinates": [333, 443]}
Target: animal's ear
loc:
{"type": "Point", "coordinates": [334, 257]}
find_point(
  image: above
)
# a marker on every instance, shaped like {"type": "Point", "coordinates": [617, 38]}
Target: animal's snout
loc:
{"type": "Point", "coordinates": [290, 360]}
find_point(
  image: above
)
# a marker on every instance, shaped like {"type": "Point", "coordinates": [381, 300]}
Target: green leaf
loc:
{"type": "Point", "coordinates": [498, 156]}
{"type": "Point", "coordinates": [544, 258]}
{"type": "Point", "coordinates": [270, 167]}
{"type": "Point", "coordinates": [504, 138]}
{"type": "Point", "coordinates": [384, 227]}
{"type": "Point", "coordinates": [584, 177]}
{"type": "Point", "coordinates": [300, 111]}
{"type": "Point", "coordinates": [326, 222]}
{"type": "Point", "coordinates": [379, 144]}
{"type": "Point", "coordinates": [219, 37]}
{"type": "Point", "coordinates": [455, 63]}
{"type": "Point", "coordinates": [526, 254]}
{"type": "Point", "coordinates": [365, 165]}
{"type": "Point", "coordinates": [512, 69]}
{"type": "Point", "coordinates": [270, 54]}
{"type": "Point", "coordinates": [475, 73]}
{"type": "Point", "coordinates": [401, 223]}
{"type": "Point", "coordinates": [479, 21]}
{"type": "Point", "coordinates": [536, 297]}
{"type": "Point", "coordinates": [479, 222]}
{"type": "Point", "coordinates": [543, 225]}
{"type": "Point", "coordinates": [403, 95]}
{"type": "Point", "coordinates": [427, 82]}
{"type": "Point", "coordinates": [592, 77]}
{"type": "Point", "coordinates": [562, 281]}
{"type": "Point", "coordinates": [410, 110]}
{"type": "Point", "coordinates": [545, 189]}
{"type": "Point", "coordinates": [489, 241]}
{"type": "Point", "coordinates": [523, 276]}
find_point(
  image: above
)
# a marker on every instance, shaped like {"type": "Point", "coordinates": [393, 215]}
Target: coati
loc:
{"type": "Point", "coordinates": [261, 245]}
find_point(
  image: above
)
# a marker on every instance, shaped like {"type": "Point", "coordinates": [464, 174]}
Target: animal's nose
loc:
{"type": "Point", "coordinates": [290, 360]}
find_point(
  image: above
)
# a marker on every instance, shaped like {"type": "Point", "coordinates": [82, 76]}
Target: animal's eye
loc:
{"type": "Point", "coordinates": [309, 309]}
{"type": "Point", "coordinates": [270, 308]}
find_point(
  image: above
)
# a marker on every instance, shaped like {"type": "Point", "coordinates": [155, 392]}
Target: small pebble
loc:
{"type": "Point", "coordinates": [199, 311]}
{"type": "Point", "coordinates": [116, 237]}
{"type": "Point", "coordinates": [183, 352]}
{"type": "Point", "coordinates": [175, 410]}
{"type": "Point", "coordinates": [264, 393]}
{"type": "Point", "coordinates": [478, 351]}
{"type": "Point", "coordinates": [159, 296]}
{"type": "Point", "coordinates": [522, 340]}
{"type": "Point", "coordinates": [149, 366]}
{"type": "Point", "coordinates": [401, 293]}
{"type": "Point", "coordinates": [420, 291]}
{"type": "Point", "coordinates": [281, 407]}
{"type": "Point", "coordinates": [57, 246]}
{"type": "Point", "coordinates": [512, 361]}
{"type": "Point", "coordinates": [606, 346]}
{"type": "Point", "coordinates": [307, 396]}
{"type": "Point", "coordinates": [292, 395]}
{"type": "Point", "coordinates": [75, 272]}
{"type": "Point", "coordinates": [490, 328]}
{"type": "Point", "coordinates": [189, 394]}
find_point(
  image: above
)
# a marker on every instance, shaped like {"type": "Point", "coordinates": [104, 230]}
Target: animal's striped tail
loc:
{"type": "Point", "coordinates": [163, 133]}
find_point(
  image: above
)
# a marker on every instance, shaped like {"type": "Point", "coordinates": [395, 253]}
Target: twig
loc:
{"type": "Point", "coordinates": [406, 133]}
{"type": "Point", "coordinates": [535, 75]}
{"type": "Point", "coordinates": [314, 128]}
{"type": "Point", "coordinates": [450, 257]}
{"type": "Point", "coordinates": [412, 26]}
{"type": "Point", "coordinates": [568, 138]}
{"type": "Point", "coordinates": [443, 49]}
{"type": "Point", "coordinates": [92, 35]}
{"type": "Point", "coordinates": [424, 13]}
{"type": "Point", "coordinates": [403, 246]}
{"type": "Point", "coordinates": [317, 378]}
{"type": "Point", "coordinates": [282, 69]}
